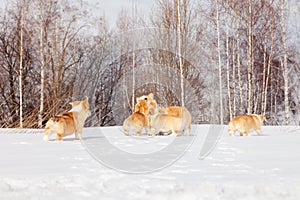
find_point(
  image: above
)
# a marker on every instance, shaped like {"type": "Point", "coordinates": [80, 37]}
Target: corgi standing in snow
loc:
{"type": "Point", "coordinates": [70, 122]}
{"type": "Point", "coordinates": [173, 118]}
{"type": "Point", "coordinates": [246, 123]}
{"type": "Point", "coordinates": [137, 120]}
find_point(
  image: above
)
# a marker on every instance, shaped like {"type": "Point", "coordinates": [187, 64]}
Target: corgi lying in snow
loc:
{"type": "Point", "coordinates": [137, 120]}
{"type": "Point", "coordinates": [69, 122]}
{"type": "Point", "coordinates": [173, 118]}
{"type": "Point", "coordinates": [246, 123]}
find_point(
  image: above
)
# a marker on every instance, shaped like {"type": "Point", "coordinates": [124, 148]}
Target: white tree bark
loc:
{"type": "Point", "coordinates": [21, 69]}
{"type": "Point", "coordinates": [239, 61]}
{"type": "Point", "coordinates": [268, 70]}
{"type": "Point", "coordinates": [133, 56]}
{"type": "Point", "coordinates": [42, 66]}
{"type": "Point", "coordinates": [285, 65]}
{"type": "Point", "coordinates": [179, 52]}
{"type": "Point", "coordinates": [249, 59]}
{"type": "Point", "coordinates": [219, 62]}
{"type": "Point", "coordinates": [227, 61]}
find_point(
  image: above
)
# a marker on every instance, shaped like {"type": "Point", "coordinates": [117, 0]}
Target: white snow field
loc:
{"type": "Point", "coordinates": [108, 165]}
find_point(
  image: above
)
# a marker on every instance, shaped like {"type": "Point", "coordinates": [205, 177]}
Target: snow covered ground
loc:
{"type": "Point", "coordinates": [103, 164]}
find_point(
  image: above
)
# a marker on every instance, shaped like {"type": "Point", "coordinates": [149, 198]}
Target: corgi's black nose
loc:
{"type": "Point", "coordinates": [145, 99]}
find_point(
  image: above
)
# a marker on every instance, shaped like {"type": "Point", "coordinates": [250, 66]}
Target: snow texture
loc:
{"type": "Point", "coordinates": [253, 167]}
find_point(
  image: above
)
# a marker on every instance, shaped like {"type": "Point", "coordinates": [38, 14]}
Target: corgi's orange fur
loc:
{"type": "Point", "coordinates": [246, 123]}
{"type": "Point", "coordinates": [70, 122]}
{"type": "Point", "coordinates": [173, 118]}
{"type": "Point", "coordinates": [151, 102]}
{"type": "Point", "coordinates": [137, 120]}
{"type": "Point", "coordinates": [163, 122]}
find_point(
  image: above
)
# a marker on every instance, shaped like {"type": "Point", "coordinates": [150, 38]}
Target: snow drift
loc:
{"type": "Point", "coordinates": [209, 166]}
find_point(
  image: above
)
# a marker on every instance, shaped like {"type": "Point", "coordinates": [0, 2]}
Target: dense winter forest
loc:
{"type": "Point", "coordinates": [219, 58]}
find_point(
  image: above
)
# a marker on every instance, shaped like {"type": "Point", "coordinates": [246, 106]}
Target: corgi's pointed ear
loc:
{"type": "Point", "coordinates": [86, 100]}
{"type": "Point", "coordinates": [151, 95]}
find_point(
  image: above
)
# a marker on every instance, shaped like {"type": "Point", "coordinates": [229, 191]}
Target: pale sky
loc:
{"type": "Point", "coordinates": [111, 8]}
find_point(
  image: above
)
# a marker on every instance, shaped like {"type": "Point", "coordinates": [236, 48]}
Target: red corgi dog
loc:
{"type": "Point", "coordinates": [174, 118]}
{"type": "Point", "coordinates": [137, 120]}
{"type": "Point", "coordinates": [246, 123]}
{"type": "Point", "coordinates": [70, 122]}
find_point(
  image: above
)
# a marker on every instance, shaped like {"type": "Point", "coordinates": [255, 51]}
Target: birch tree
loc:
{"type": "Point", "coordinates": [268, 57]}
{"type": "Point", "coordinates": [21, 65]}
{"type": "Point", "coordinates": [219, 61]}
{"type": "Point", "coordinates": [179, 52]}
{"type": "Point", "coordinates": [227, 58]}
{"type": "Point", "coordinates": [284, 63]}
{"type": "Point", "coordinates": [40, 115]}
{"type": "Point", "coordinates": [237, 30]}
{"type": "Point", "coordinates": [134, 14]}
{"type": "Point", "coordinates": [174, 20]}
{"type": "Point", "coordinates": [249, 58]}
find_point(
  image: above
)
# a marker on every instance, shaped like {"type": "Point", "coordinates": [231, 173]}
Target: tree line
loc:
{"type": "Point", "coordinates": [219, 58]}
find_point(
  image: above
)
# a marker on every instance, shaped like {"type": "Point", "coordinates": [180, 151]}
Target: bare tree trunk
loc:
{"type": "Point", "coordinates": [275, 97]}
{"type": "Point", "coordinates": [285, 65]}
{"type": "Point", "coordinates": [234, 81]}
{"type": "Point", "coordinates": [265, 64]}
{"type": "Point", "coordinates": [249, 57]}
{"type": "Point", "coordinates": [133, 81]}
{"type": "Point", "coordinates": [213, 86]}
{"type": "Point", "coordinates": [219, 62]}
{"type": "Point", "coordinates": [227, 62]}
{"type": "Point", "coordinates": [179, 51]}
{"type": "Point", "coordinates": [42, 67]}
{"type": "Point", "coordinates": [21, 69]}
{"type": "Point", "coordinates": [212, 83]}
{"type": "Point", "coordinates": [238, 61]}
{"type": "Point", "coordinates": [133, 56]}
{"type": "Point", "coordinates": [271, 98]}
{"type": "Point", "coordinates": [265, 92]}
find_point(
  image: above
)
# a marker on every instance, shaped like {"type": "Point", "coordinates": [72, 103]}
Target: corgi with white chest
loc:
{"type": "Point", "coordinates": [68, 123]}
